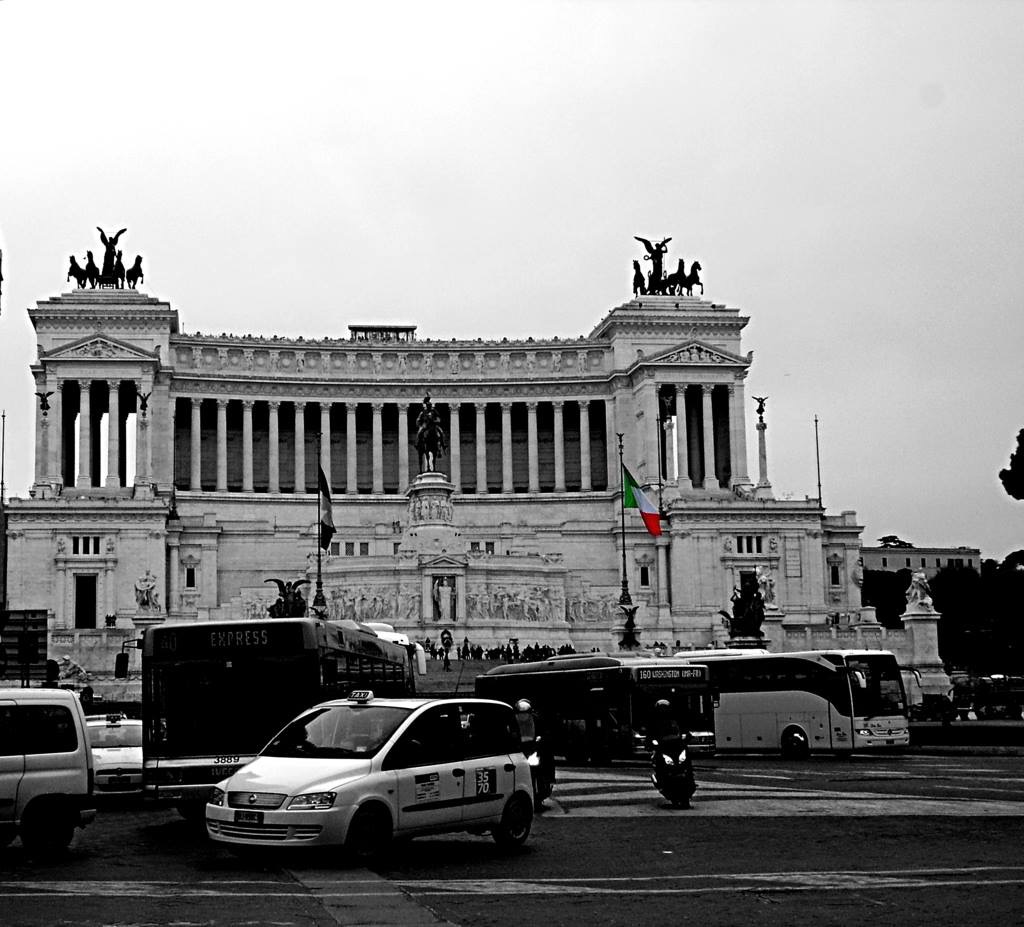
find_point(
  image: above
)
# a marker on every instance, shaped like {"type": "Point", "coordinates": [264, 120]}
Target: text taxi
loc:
{"type": "Point", "coordinates": [358, 771]}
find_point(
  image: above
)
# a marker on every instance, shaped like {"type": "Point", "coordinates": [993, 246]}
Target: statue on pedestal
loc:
{"type": "Point", "coordinates": [430, 439]}
{"type": "Point", "coordinates": [919, 595]}
{"type": "Point", "coordinates": [290, 603]}
{"type": "Point", "coordinates": [146, 596]}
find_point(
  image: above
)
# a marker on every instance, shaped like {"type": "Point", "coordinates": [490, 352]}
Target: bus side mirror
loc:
{"type": "Point", "coordinates": [120, 666]}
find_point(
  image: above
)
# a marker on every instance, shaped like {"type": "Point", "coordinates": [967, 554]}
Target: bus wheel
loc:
{"type": "Point", "coordinates": [369, 833]}
{"type": "Point", "coordinates": [516, 820]}
{"type": "Point", "coordinates": [794, 744]}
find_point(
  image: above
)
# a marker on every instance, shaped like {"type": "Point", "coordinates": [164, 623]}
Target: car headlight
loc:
{"type": "Point", "coordinates": [533, 759]}
{"type": "Point", "coordinates": [865, 733]}
{"type": "Point", "coordinates": [312, 801]}
{"type": "Point", "coordinates": [669, 761]}
{"type": "Point", "coordinates": [216, 796]}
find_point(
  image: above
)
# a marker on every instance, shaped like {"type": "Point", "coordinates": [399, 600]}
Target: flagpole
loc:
{"type": "Point", "coordinates": [624, 599]}
{"type": "Point", "coordinates": [319, 602]}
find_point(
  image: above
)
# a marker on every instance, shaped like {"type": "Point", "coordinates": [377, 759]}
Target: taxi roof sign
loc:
{"type": "Point", "coordinates": [360, 695]}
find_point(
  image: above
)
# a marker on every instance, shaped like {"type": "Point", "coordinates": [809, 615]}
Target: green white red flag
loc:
{"type": "Point", "coordinates": [633, 497]}
{"type": "Point", "coordinates": [326, 512]}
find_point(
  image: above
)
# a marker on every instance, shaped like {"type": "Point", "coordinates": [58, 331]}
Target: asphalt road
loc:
{"type": "Point", "coordinates": [906, 840]}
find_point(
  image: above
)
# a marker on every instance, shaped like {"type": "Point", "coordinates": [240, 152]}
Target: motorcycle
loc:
{"type": "Point", "coordinates": [542, 771]}
{"type": "Point", "coordinates": [672, 771]}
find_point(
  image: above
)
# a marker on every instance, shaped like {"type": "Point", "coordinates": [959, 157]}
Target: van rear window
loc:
{"type": "Point", "coordinates": [47, 729]}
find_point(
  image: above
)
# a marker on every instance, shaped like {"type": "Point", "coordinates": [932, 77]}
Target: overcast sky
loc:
{"type": "Point", "coordinates": [849, 175]}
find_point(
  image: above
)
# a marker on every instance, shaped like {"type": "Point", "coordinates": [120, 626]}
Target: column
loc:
{"type": "Point", "coordinates": [274, 447]}
{"type": "Point", "coordinates": [506, 447]}
{"type": "Point", "coordinates": [559, 446]}
{"type": "Point", "coordinates": [481, 447]}
{"type": "Point", "coordinates": [378, 447]}
{"type": "Point", "coordinates": [325, 442]}
{"type": "Point", "coordinates": [454, 446]}
{"type": "Point", "coordinates": [682, 439]}
{"type": "Point", "coordinates": [762, 456]}
{"type": "Point", "coordinates": [84, 435]}
{"type": "Point", "coordinates": [42, 435]}
{"type": "Point", "coordinates": [710, 479]}
{"type": "Point", "coordinates": [300, 446]}
{"type": "Point", "coordinates": [350, 448]}
{"type": "Point", "coordinates": [222, 445]}
{"type": "Point", "coordinates": [612, 443]}
{"type": "Point", "coordinates": [113, 434]}
{"type": "Point", "coordinates": [174, 564]}
{"type": "Point", "coordinates": [195, 439]}
{"type": "Point", "coordinates": [55, 443]}
{"type": "Point", "coordinates": [403, 447]}
{"type": "Point", "coordinates": [247, 445]}
{"type": "Point", "coordinates": [661, 544]}
{"type": "Point", "coordinates": [143, 470]}
{"type": "Point", "coordinates": [738, 434]}
{"type": "Point", "coordinates": [531, 445]}
{"type": "Point", "coordinates": [585, 484]}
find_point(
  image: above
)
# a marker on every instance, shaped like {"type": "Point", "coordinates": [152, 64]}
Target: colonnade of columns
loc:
{"type": "Point", "coordinates": [514, 451]}
{"type": "Point", "coordinates": [60, 459]}
{"type": "Point", "coordinates": [709, 435]}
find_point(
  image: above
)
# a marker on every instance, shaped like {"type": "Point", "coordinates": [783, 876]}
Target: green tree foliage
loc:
{"type": "Point", "coordinates": [1013, 476]}
{"type": "Point", "coordinates": [891, 540]}
{"type": "Point", "coordinates": [887, 592]}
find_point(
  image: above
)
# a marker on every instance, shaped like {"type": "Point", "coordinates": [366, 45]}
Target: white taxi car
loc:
{"type": "Point", "coordinates": [116, 743]}
{"type": "Point", "coordinates": [355, 772]}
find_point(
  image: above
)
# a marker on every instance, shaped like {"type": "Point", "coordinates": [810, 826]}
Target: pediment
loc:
{"type": "Point", "coordinates": [443, 561]}
{"type": "Point", "coordinates": [99, 347]}
{"type": "Point", "coordinates": [697, 354]}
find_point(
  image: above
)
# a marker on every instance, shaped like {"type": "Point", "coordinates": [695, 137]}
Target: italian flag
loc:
{"type": "Point", "coordinates": [633, 498]}
{"type": "Point", "coordinates": [326, 512]}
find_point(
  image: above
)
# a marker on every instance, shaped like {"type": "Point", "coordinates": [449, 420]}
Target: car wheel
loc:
{"type": "Point", "coordinates": [516, 820]}
{"type": "Point", "coordinates": [369, 833]}
{"type": "Point", "coordinates": [47, 831]}
{"type": "Point", "coordinates": [192, 811]}
{"type": "Point", "coordinates": [795, 745]}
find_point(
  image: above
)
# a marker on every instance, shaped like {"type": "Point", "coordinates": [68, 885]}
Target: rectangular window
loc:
{"type": "Point", "coordinates": [474, 545]}
{"type": "Point", "coordinates": [350, 549]}
{"type": "Point", "coordinates": [757, 543]}
{"type": "Point", "coordinates": [488, 547]}
{"type": "Point", "coordinates": [48, 729]}
{"type": "Point", "coordinates": [645, 576]}
{"type": "Point", "coordinates": [335, 548]}
{"type": "Point", "coordinates": [922, 561]}
{"type": "Point", "coordinates": [74, 546]}
{"type": "Point", "coordinates": [885, 562]}
{"type": "Point", "coordinates": [938, 562]}
{"type": "Point", "coordinates": [190, 577]}
{"type": "Point", "coordinates": [96, 545]}
{"type": "Point", "coordinates": [833, 575]}
{"type": "Point", "coordinates": [908, 563]}
{"type": "Point", "coordinates": [397, 546]}
{"type": "Point", "coordinates": [364, 548]}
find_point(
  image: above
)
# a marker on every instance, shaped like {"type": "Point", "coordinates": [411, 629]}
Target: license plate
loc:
{"type": "Point", "coordinates": [248, 817]}
{"type": "Point", "coordinates": [890, 742]}
{"type": "Point", "coordinates": [120, 781]}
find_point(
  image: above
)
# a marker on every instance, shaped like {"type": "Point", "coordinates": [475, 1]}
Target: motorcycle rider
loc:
{"type": "Point", "coordinates": [542, 763]}
{"type": "Point", "coordinates": [665, 738]}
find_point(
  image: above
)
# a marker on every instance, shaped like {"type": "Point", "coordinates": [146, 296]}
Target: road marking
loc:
{"type": "Point", "coordinates": [755, 882]}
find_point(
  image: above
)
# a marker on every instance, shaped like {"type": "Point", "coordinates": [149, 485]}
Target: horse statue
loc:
{"type": "Point", "coordinates": [92, 272]}
{"type": "Point", "coordinates": [78, 273]}
{"type": "Point", "coordinates": [747, 614]}
{"type": "Point", "coordinates": [639, 288]}
{"type": "Point", "coordinates": [692, 279]}
{"type": "Point", "coordinates": [119, 271]}
{"type": "Point", "coordinates": [430, 442]}
{"type": "Point", "coordinates": [134, 273]}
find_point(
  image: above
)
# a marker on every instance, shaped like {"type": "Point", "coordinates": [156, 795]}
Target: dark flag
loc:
{"type": "Point", "coordinates": [326, 512]}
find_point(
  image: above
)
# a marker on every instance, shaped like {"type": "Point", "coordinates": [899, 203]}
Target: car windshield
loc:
{"type": "Point", "coordinates": [342, 732]}
{"type": "Point", "coordinates": [115, 735]}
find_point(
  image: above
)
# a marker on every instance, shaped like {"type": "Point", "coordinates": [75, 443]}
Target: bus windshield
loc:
{"type": "Point", "coordinates": [346, 731]}
{"type": "Point", "coordinates": [220, 706]}
{"type": "Point", "coordinates": [876, 685]}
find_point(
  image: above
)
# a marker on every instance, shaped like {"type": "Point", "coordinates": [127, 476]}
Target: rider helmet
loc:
{"type": "Point", "coordinates": [523, 706]}
{"type": "Point", "coordinates": [663, 706]}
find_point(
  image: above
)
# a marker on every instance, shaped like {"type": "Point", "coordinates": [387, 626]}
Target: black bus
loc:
{"type": "Point", "coordinates": [595, 707]}
{"type": "Point", "coordinates": [214, 693]}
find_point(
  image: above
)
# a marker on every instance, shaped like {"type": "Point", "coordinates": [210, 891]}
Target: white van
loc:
{"type": "Point", "coordinates": [46, 768]}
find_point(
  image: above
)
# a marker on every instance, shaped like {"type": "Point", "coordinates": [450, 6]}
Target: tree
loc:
{"type": "Point", "coordinates": [890, 540]}
{"type": "Point", "coordinates": [1013, 476]}
{"type": "Point", "coordinates": [887, 592]}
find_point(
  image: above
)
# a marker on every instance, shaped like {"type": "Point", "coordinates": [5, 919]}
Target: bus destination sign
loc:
{"type": "Point", "coordinates": [199, 641]}
{"type": "Point", "coordinates": [670, 673]}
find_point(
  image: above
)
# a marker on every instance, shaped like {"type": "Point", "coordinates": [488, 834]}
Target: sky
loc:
{"type": "Point", "coordinates": [849, 175]}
